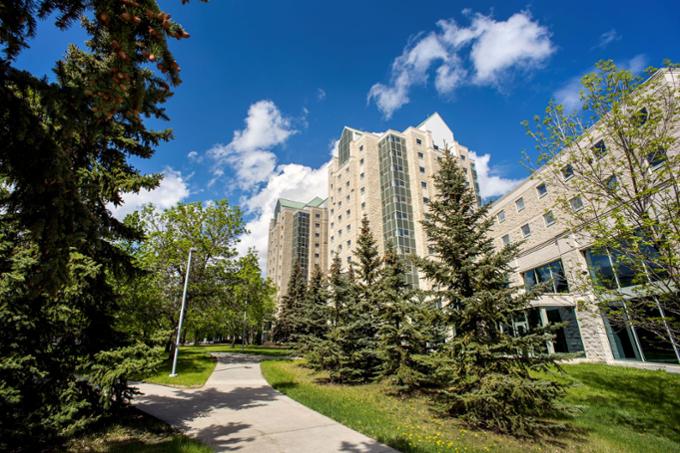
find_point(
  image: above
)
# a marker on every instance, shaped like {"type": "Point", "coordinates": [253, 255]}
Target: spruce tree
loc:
{"type": "Point", "coordinates": [287, 320]}
{"type": "Point", "coordinates": [314, 313]}
{"type": "Point", "coordinates": [406, 325]}
{"type": "Point", "coordinates": [65, 149]}
{"type": "Point", "coordinates": [355, 337]}
{"type": "Point", "coordinates": [483, 374]}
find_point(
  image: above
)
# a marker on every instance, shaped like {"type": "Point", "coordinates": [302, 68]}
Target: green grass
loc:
{"type": "Point", "coordinates": [134, 431]}
{"type": "Point", "coordinates": [195, 365]}
{"type": "Point", "coordinates": [621, 409]}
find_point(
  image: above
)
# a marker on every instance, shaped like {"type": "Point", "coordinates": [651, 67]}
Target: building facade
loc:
{"type": "Point", "coordinates": [297, 233]}
{"type": "Point", "coordinates": [388, 177]}
{"type": "Point", "coordinates": [561, 256]}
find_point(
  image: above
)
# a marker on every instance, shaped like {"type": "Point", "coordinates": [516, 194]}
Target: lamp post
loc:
{"type": "Point", "coordinates": [181, 315]}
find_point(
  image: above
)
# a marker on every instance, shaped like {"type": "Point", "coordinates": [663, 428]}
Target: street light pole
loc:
{"type": "Point", "coordinates": [181, 315]}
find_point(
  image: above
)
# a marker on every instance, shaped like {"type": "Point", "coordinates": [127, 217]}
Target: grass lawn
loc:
{"type": "Point", "coordinates": [134, 431]}
{"type": "Point", "coordinates": [621, 409]}
{"type": "Point", "coordinates": [195, 365]}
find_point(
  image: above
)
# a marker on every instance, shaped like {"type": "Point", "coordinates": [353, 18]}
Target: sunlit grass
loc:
{"type": "Point", "coordinates": [620, 410]}
{"type": "Point", "coordinates": [195, 364]}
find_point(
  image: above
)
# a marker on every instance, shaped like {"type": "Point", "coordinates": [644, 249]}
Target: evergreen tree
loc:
{"type": "Point", "coordinates": [287, 320]}
{"type": "Point", "coordinates": [355, 336]}
{"type": "Point", "coordinates": [483, 373]}
{"type": "Point", "coordinates": [313, 323]}
{"type": "Point", "coordinates": [64, 148]}
{"type": "Point", "coordinates": [406, 325]}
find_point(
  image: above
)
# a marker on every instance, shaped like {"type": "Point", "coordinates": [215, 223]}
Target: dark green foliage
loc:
{"type": "Point", "coordinates": [313, 322]}
{"type": "Point", "coordinates": [482, 374]}
{"type": "Point", "coordinates": [407, 325]}
{"type": "Point", "coordinates": [354, 337]}
{"type": "Point", "coordinates": [64, 149]}
{"type": "Point", "coordinates": [286, 327]}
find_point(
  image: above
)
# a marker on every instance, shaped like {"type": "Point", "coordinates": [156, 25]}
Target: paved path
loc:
{"type": "Point", "coordinates": [237, 410]}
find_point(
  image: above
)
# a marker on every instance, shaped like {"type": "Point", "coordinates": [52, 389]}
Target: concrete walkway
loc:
{"type": "Point", "coordinates": [237, 410]}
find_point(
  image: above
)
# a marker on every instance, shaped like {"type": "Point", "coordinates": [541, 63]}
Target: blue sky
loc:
{"type": "Point", "coordinates": [268, 85]}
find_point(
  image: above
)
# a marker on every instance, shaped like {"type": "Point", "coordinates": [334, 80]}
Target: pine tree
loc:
{"type": "Point", "coordinates": [406, 325]}
{"type": "Point", "coordinates": [355, 337]}
{"type": "Point", "coordinates": [313, 323]}
{"type": "Point", "coordinates": [483, 373]}
{"type": "Point", "coordinates": [287, 321]}
{"type": "Point", "coordinates": [65, 145]}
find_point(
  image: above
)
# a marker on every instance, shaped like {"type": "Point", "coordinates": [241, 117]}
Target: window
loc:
{"type": "Point", "coordinates": [612, 183]}
{"type": "Point", "coordinates": [567, 172]}
{"type": "Point", "coordinates": [436, 147]}
{"type": "Point", "coordinates": [641, 116]}
{"type": "Point", "coordinates": [339, 217]}
{"type": "Point", "coordinates": [363, 205]}
{"type": "Point", "coordinates": [420, 142]}
{"type": "Point", "coordinates": [349, 243]}
{"type": "Point", "coordinates": [462, 157]}
{"type": "Point", "coordinates": [361, 161]}
{"type": "Point", "coordinates": [542, 190]}
{"type": "Point", "coordinates": [317, 225]}
{"type": "Point", "coordinates": [332, 223]}
{"type": "Point", "coordinates": [316, 255]}
{"type": "Point", "coordinates": [361, 148]}
{"type": "Point", "coordinates": [316, 235]}
{"type": "Point", "coordinates": [421, 155]}
{"type": "Point", "coordinates": [316, 245]}
{"type": "Point", "coordinates": [349, 227]}
{"type": "Point", "coordinates": [362, 190]}
{"type": "Point", "coordinates": [549, 218]}
{"type": "Point", "coordinates": [347, 212]}
{"type": "Point", "coordinates": [526, 230]}
{"type": "Point", "coordinates": [519, 204]}
{"type": "Point", "coordinates": [505, 239]}
{"type": "Point", "coordinates": [551, 274]}
{"type": "Point", "coordinates": [426, 200]}
{"type": "Point", "coordinates": [501, 216]}
{"type": "Point", "coordinates": [361, 175]}
{"type": "Point", "coordinates": [347, 183]}
{"type": "Point", "coordinates": [656, 158]}
{"type": "Point", "coordinates": [422, 169]}
{"type": "Point", "coordinates": [600, 149]}
{"type": "Point", "coordinates": [576, 203]}
{"type": "Point", "coordinates": [423, 184]}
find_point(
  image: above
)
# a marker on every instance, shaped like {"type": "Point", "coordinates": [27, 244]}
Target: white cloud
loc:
{"type": "Point", "coordinates": [607, 38]}
{"type": "Point", "coordinates": [482, 53]}
{"type": "Point", "coordinates": [568, 95]}
{"type": "Point", "coordinates": [171, 190]}
{"type": "Point", "coordinates": [491, 183]}
{"type": "Point", "coordinates": [636, 65]}
{"type": "Point", "coordinates": [292, 181]}
{"type": "Point", "coordinates": [320, 94]}
{"type": "Point", "coordinates": [193, 156]}
{"type": "Point", "coordinates": [249, 152]}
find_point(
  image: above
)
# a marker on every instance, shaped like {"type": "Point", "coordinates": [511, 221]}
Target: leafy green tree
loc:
{"type": "Point", "coordinates": [64, 149]}
{"type": "Point", "coordinates": [255, 296]}
{"type": "Point", "coordinates": [407, 325]}
{"type": "Point", "coordinates": [286, 327]}
{"type": "Point", "coordinates": [621, 148]}
{"type": "Point", "coordinates": [213, 231]}
{"type": "Point", "coordinates": [483, 374]}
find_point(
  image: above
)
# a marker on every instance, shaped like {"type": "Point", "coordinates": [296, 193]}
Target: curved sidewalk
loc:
{"type": "Point", "coordinates": [237, 410]}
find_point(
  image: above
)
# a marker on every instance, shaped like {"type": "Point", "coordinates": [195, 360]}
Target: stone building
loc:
{"type": "Point", "coordinates": [388, 177]}
{"type": "Point", "coordinates": [297, 233]}
{"type": "Point", "coordinates": [563, 257]}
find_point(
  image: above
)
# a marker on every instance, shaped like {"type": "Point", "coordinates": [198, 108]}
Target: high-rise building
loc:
{"type": "Point", "coordinates": [388, 177]}
{"type": "Point", "coordinates": [297, 233]}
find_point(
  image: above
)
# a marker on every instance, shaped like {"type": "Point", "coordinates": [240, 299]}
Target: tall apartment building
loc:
{"type": "Point", "coordinates": [297, 233]}
{"type": "Point", "coordinates": [562, 257]}
{"type": "Point", "coordinates": [388, 177]}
